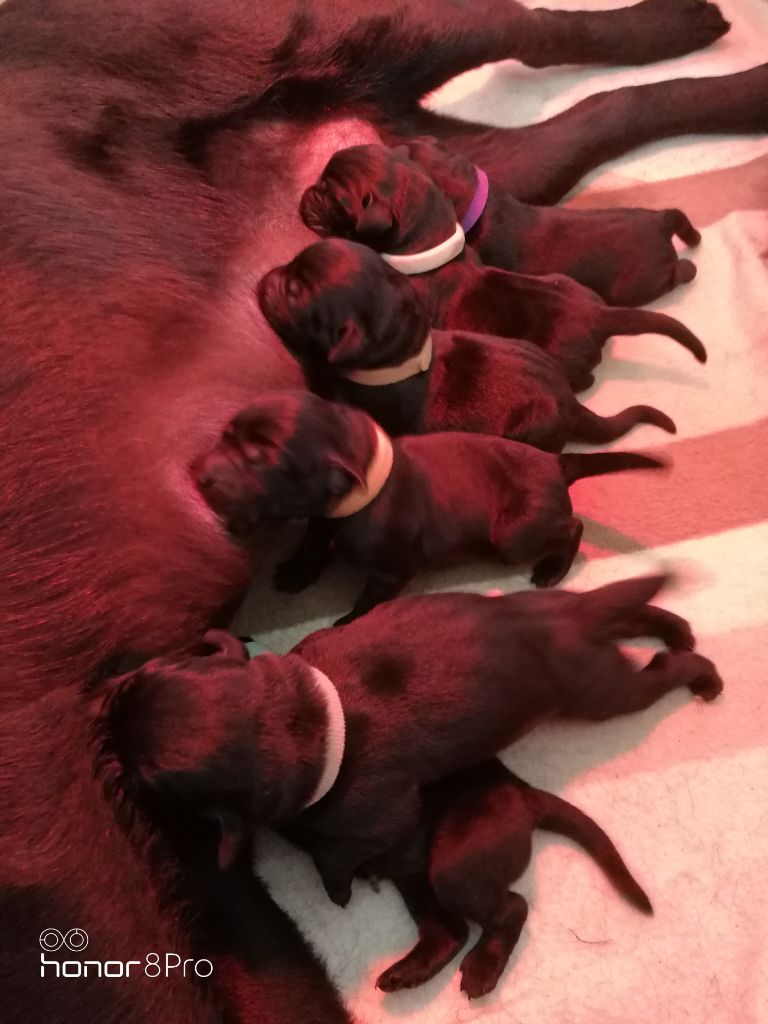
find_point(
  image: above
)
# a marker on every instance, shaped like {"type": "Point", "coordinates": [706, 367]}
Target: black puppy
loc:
{"type": "Point", "coordinates": [625, 255]}
{"type": "Point", "coordinates": [379, 197]}
{"type": "Point", "coordinates": [395, 507]}
{"type": "Point", "coordinates": [336, 739]}
{"type": "Point", "coordinates": [362, 336]}
{"type": "Point", "coordinates": [477, 829]}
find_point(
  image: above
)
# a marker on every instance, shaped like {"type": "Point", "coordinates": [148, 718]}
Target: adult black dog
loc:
{"type": "Point", "coordinates": [154, 153]}
{"type": "Point", "coordinates": [627, 256]}
{"type": "Point", "coordinates": [378, 196]}
{"type": "Point", "coordinates": [362, 336]}
{"type": "Point", "coordinates": [415, 691]}
{"type": "Point", "coordinates": [395, 508]}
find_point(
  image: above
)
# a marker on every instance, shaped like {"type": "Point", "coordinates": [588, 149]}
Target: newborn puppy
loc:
{"type": "Point", "coordinates": [362, 336]}
{"type": "Point", "coordinates": [625, 255]}
{"type": "Point", "coordinates": [395, 507]}
{"type": "Point", "coordinates": [340, 735]}
{"type": "Point", "coordinates": [478, 827]}
{"type": "Point", "coordinates": [377, 196]}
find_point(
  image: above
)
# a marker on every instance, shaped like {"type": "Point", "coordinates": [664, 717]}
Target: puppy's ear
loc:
{"type": "Point", "coordinates": [225, 645]}
{"type": "Point", "coordinates": [347, 345]}
{"type": "Point", "coordinates": [375, 218]}
{"type": "Point", "coordinates": [232, 838]}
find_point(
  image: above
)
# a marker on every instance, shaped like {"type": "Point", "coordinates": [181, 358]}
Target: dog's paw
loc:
{"type": "Point", "coordinates": [480, 972]}
{"type": "Point", "coordinates": [339, 889]}
{"type": "Point", "coordinates": [293, 576]}
{"type": "Point", "coordinates": [677, 27]}
{"type": "Point", "coordinates": [398, 977]}
{"type": "Point", "coordinates": [708, 685]}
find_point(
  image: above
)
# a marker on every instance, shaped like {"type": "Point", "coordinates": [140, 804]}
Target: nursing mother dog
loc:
{"type": "Point", "coordinates": [154, 153]}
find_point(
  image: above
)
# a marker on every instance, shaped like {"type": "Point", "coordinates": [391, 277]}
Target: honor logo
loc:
{"type": "Point", "coordinates": [154, 965]}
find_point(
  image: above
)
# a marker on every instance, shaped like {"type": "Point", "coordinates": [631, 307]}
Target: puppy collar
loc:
{"type": "Point", "coordinates": [430, 259]}
{"type": "Point", "coordinates": [377, 475]}
{"type": "Point", "coordinates": [419, 363]}
{"type": "Point", "coordinates": [335, 735]}
{"type": "Point", "coordinates": [479, 200]}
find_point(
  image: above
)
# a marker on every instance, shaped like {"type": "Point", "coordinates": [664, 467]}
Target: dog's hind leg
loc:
{"type": "Point", "coordinates": [482, 967]}
{"type": "Point", "coordinates": [540, 163]}
{"type": "Point", "coordinates": [671, 629]}
{"type": "Point", "coordinates": [555, 566]}
{"type": "Point", "coordinates": [610, 696]}
{"type": "Point", "coordinates": [442, 933]}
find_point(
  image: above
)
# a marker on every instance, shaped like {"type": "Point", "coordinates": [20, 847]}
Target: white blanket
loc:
{"type": "Point", "coordinates": [683, 788]}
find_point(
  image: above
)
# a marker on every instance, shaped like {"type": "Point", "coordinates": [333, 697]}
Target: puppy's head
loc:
{"type": "Point", "coordinates": [291, 455]}
{"type": "Point", "coordinates": [339, 305]}
{"type": "Point", "coordinates": [191, 728]}
{"type": "Point", "coordinates": [449, 169]}
{"type": "Point", "coordinates": [377, 196]}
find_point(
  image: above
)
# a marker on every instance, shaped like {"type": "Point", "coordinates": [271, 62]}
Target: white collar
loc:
{"type": "Point", "coordinates": [430, 259]}
{"type": "Point", "coordinates": [383, 375]}
{"type": "Point", "coordinates": [376, 476]}
{"type": "Point", "coordinates": [335, 735]}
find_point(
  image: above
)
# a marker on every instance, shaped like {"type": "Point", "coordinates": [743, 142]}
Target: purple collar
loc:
{"type": "Point", "coordinates": [479, 199]}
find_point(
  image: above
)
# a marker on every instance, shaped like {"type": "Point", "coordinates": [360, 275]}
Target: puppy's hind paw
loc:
{"type": "Point", "coordinates": [708, 685]}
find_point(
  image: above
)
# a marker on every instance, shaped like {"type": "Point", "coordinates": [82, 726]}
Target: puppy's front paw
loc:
{"type": "Point", "coordinates": [708, 685]}
{"type": "Point", "coordinates": [294, 575]}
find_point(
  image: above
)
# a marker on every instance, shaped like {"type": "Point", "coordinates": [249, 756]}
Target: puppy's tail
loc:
{"type": "Point", "coordinates": [598, 429]}
{"type": "Point", "coordinates": [603, 614]}
{"type": "Point", "coordinates": [576, 466]}
{"type": "Point", "coordinates": [620, 320]}
{"type": "Point", "coordinates": [558, 816]}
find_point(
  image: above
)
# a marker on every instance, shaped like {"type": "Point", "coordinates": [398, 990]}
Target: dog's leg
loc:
{"type": "Point", "coordinates": [542, 162]}
{"type": "Point", "coordinates": [311, 559]}
{"type": "Point", "coordinates": [671, 629]}
{"type": "Point", "coordinates": [441, 936]}
{"type": "Point", "coordinates": [554, 567]}
{"type": "Point", "coordinates": [433, 50]}
{"type": "Point", "coordinates": [482, 967]}
{"type": "Point", "coordinates": [371, 833]}
{"type": "Point", "coordinates": [379, 587]}
{"type": "Point", "coordinates": [666, 672]}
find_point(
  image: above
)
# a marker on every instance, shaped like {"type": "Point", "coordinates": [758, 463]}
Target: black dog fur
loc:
{"type": "Point", "coordinates": [477, 828]}
{"type": "Point", "coordinates": [449, 496]}
{"type": "Point", "coordinates": [243, 740]}
{"type": "Point", "coordinates": [380, 198]}
{"type": "Point", "coordinates": [350, 311]}
{"type": "Point", "coordinates": [625, 255]}
{"type": "Point", "coordinates": [153, 155]}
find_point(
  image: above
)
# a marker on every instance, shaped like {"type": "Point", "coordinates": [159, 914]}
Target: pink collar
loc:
{"type": "Point", "coordinates": [419, 363]}
{"type": "Point", "coordinates": [478, 204]}
{"type": "Point", "coordinates": [377, 475]}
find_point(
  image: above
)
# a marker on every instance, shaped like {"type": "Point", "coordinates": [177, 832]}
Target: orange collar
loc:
{"type": "Point", "coordinates": [394, 374]}
{"type": "Point", "coordinates": [377, 475]}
